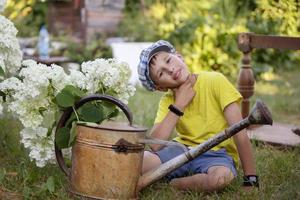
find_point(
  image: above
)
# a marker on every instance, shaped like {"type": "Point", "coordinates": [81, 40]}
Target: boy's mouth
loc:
{"type": "Point", "coordinates": [176, 74]}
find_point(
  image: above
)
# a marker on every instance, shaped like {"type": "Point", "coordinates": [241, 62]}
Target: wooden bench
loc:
{"type": "Point", "coordinates": [247, 42]}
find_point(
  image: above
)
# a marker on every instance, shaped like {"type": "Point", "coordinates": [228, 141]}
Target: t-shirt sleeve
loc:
{"type": "Point", "coordinates": [162, 111]}
{"type": "Point", "coordinates": [226, 93]}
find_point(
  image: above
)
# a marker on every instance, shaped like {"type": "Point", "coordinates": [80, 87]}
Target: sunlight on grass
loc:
{"type": "Point", "coordinates": [282, 95]}
{"type": "Point", "coordinates": [267, 89]}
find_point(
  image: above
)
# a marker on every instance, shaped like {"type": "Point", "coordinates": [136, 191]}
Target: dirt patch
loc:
{"type": "Point", "coordinates": [5, 194]}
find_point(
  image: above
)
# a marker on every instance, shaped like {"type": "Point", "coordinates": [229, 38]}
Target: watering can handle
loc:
{"type": "Point", "coordinates": [67, 113]}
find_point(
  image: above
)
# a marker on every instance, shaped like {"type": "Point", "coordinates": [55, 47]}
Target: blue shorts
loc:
{"type": "Point", "coordinates": [200, 164]}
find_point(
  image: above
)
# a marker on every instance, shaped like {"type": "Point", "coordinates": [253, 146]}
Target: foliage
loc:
{"type": "Point", "coordinates": [27, 15]}
{"type": "Point", "coordinates": [275, 18]}
{"type": "Point", "coordinates": [79, 52]}
{"type": "Point", "coordinates": [205, 32]}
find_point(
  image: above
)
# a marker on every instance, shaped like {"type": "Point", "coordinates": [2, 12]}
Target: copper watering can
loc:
{"type": "Point", "coordinates": [107, 158]}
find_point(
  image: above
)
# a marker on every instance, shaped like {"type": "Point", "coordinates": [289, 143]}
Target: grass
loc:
{"type": "Point", "coordinates": [281, 93]}
{"type": "Point", "coordinates": [278, 168]}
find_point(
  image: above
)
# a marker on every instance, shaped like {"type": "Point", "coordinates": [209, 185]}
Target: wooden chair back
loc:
{"type": "Point", "coordinates": [248, 42]}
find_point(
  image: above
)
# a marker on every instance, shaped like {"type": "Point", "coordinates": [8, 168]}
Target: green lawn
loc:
{"type": "Point", "coordinates": [278, 168]}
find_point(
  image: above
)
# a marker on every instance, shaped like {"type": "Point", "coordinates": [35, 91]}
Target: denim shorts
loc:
{"type": "Point", "coordinates": [200, 164]}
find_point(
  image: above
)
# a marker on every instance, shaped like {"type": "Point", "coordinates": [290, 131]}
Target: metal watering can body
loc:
{"type": "Point", "coordinates": [107, 158]}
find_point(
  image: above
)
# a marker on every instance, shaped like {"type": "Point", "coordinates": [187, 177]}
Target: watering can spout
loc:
{"type": "Point", "coordinates": [258, 115]}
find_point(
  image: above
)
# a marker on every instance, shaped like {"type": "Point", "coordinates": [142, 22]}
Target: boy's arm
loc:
{"type": "Point", "coordinates": [233, 115]}
{"type": "Point", "coordinates": [183, 96]}
{"type": "Point", "coordinates": [164, 129]}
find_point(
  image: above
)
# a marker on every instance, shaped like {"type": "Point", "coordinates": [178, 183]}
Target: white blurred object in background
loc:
{"type": "Point", "coordinates": [129, 52]}
{"type": "Point", "coordinates": [2, 5]}
{"type": "Point", "coordinates": [43, 44]}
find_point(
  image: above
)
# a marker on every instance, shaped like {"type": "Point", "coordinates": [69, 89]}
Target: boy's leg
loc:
{"type": "Point", "coordinates": [212, 171]}
{"type": "Point", "coordinates": [150, 161]}
{"type": "Point", "coordinates": [217, 178]}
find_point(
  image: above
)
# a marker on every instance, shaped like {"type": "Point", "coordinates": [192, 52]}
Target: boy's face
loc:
{"type": "Point", "coordinates": [168, 71]}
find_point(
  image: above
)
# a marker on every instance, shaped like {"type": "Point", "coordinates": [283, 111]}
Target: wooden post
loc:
{"type": "Point", "coordinates": [245, 78]}
{"type": "Point", "coordinates": [249, 41]}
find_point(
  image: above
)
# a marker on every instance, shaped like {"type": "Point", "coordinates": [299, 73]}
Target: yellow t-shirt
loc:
{"type": "Point", "coordinates": [204, 117]}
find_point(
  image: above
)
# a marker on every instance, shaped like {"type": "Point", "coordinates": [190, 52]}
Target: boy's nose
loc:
{"type": "Point", "coordinates": [171, 70]}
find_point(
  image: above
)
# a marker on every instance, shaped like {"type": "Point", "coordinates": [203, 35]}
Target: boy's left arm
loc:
{"type": "Point", "coordinates": [233, 115]}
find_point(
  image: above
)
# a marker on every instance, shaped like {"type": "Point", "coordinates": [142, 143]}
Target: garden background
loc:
{"type": "Point", "coordinates": [205, 32]}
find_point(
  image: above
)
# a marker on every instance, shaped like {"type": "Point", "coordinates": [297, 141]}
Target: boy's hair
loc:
{"type": "Point", "coordinates": [145, 58]}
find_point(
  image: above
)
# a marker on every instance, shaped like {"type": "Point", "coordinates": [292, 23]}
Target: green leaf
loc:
{"type": "Point", "coordinates": [3, 95]}
{"type": "Point", "coordinates": [75, 91]}
{"type": "Point", "coordinates": [68, 95]}
{"type": "Point", "coordinates": [92, 113]}
{"type": "Point", "coordinates": [65, 99]}
{"type": "Point", "coordinates": [62, 138]}
{"type": "Point", "coordinates": [41, 110]}
{"type": "Point", "coordinates": [108, 108]}
{"type": "Point", "coordinates": [70, 120]}
{"type": "Point", "coordinates": [73, 133]}
{"type": "Point", "coordinates": [2, 73]}
{"type": "Point", "coordinates": [50, 184]}
{"type": "Point", "coordinates": [113, 113]}
{"type": "Point", "coordinates": [49, 132]}
{"type": "Point", "coordinates": [107, 104]}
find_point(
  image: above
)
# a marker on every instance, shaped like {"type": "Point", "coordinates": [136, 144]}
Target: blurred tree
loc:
{"type": "Point", "coordinates": [275, 18]}
{"type": "Point", "coordinates": [79, 52]}
{"type": "Point", "coordinates": [27, 15]}
{"type": "Point", "coordinates": [205, 32]}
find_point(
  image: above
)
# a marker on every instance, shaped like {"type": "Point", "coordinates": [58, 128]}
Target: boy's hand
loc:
{"type": "Point", "coordinates": [185, 93]}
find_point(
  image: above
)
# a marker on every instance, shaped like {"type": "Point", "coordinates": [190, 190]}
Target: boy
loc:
{"type": "Point", "coordinates": [198, 106]}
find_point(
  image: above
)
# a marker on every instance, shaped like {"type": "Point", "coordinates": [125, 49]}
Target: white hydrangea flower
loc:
{"type": "Point", "coordinates": [39, 144]}
{"type": "Point", "coordinates": [108, 76]}
{"type": "Point", "coordinates": [10, 52]}
{"type": "Point", "coordinates": [78, 79]}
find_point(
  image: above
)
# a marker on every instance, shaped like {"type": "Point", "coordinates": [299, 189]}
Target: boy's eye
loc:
{"type": "Point", "coordinates": [169, 59]}
{"type": "Point", "coordinates": [160, 74]}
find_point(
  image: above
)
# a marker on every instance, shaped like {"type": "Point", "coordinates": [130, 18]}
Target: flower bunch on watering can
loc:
{"type": "Point", "coordinates": [39, 94]}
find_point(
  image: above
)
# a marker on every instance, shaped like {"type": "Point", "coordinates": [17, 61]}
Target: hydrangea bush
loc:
{"type": "Point", "coordinates": [40, 92]}
{"type": "Point", "coordinates": [36, 94]}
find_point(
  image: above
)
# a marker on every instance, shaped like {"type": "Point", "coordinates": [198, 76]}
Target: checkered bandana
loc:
{"type": "Point", "coordinates": [145, 57]}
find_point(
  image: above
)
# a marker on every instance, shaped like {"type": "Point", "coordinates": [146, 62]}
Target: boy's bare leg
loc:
{"type": "Point", "coordinates": [216, 178]}
{"type": "Point", "coordinates": [150, 161]}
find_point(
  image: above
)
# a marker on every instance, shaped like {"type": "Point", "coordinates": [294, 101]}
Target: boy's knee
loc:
{"type": "Point", "coordinates": [219, 177]}
{"type": "Point", "coordinates": [150, 161]}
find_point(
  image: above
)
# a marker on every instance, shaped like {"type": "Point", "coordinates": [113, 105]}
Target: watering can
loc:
{"type": "Point", "coordinates": [107, 158]}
